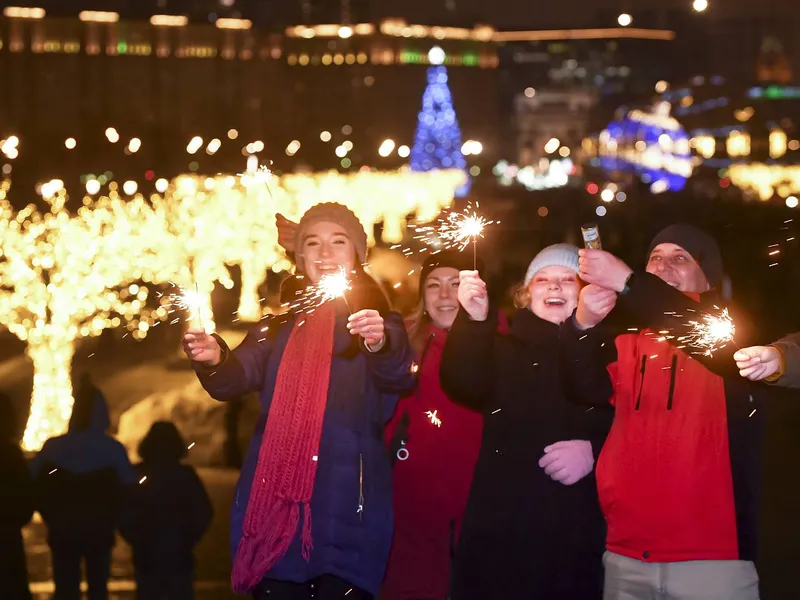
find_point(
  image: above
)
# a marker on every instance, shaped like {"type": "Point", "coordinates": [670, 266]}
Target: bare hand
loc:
{"type": "Point", "coordinates": [604, 269]}
{"type": "Point", "coordinates": [594, 304]}
{"type": "Point", "coordinates": [757, 362]}
{"type": "Point", "coordinates": [369, 325]}
{"type": "Point", "coordinates": [473, 295]}
{"type": "Point", "coordinates": [568, 462]}
{"type": "Point", "coordinates": [202, 347]}
{"type": "Point", "coordinates": [286, 231]}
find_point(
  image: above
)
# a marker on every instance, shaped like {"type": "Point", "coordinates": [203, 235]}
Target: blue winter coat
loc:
{"type": "Point", "coordinates": [363, 391]}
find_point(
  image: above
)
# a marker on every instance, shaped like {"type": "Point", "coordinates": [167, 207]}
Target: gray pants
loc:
{"type": "Point", "coordinates": [630, 579]}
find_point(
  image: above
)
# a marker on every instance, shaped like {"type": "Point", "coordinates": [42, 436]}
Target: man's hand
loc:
{"type": "Point", "coordinates": [604, 269]}
{"type": "Point", "coordinates": [568, 462]}
{"type": "Point", "coordinates": [594, 304]}
{"type": "Point", "coordinates": [758, 362]}
{"type": "Point", "coordinates": [472, 295]}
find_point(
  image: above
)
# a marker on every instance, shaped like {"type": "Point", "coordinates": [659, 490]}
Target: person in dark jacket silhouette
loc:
{"type": "Point", "coordinates": [16, 507]}
{"type": "Point", "coordinates": [80, 479]}
{"type": "Point", "coordinates": [165, 517]}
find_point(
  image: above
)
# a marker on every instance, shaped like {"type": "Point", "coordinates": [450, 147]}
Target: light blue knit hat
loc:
{"type": "Point", "coordinates": [557, 255]}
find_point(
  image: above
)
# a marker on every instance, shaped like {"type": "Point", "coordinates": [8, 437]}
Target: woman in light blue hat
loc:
{"type": "Point", "coordinates": [533, 526]}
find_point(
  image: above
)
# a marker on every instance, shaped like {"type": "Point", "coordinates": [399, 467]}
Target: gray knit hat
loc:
{"type": "Point", "coordinates": [330, 212]}
{"type": "Point", "coordinates": [557, 255]}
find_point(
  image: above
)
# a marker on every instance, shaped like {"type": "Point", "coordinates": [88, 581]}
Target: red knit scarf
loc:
{"type": "Point", "coordinates": [287, 460]}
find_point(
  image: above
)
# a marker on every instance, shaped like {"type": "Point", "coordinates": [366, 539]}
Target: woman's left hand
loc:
{"type": "Point", "coordinates": [369, 325]}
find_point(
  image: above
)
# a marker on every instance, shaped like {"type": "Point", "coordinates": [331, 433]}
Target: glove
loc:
{"type": "Point", "coordinates": [568, 462]}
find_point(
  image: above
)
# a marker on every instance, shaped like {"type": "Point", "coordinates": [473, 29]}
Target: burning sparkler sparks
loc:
{"type": "Point", "coordinates": [455, 230]}
{"type": "Point", "coordinates": [711, 334]}
{"type": "Point", "coordinates": [434, 418]}
{"type": "Point", "coordinates": [191, 301]}
{"type": "Point", "coordinates": [331, 286]}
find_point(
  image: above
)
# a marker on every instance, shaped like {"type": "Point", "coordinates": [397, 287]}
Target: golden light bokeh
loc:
{"type": "Point", "coordinates": [67, 276]}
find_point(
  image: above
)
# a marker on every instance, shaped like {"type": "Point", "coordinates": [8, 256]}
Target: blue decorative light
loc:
{"type": "Point", "coordinates": [653, 145]}
{"type": "Point", "coordinates": [437, 141]}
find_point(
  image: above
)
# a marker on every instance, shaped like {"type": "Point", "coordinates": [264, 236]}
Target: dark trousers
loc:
{"type": "Point", "coordinates": [161, 586]}
{"type": "Point", "coordinates": [326, 587]}
{"type": "Point", "coordinates": [67, 557]}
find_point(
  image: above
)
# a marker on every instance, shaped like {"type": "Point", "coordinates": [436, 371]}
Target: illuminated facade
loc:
{"type": "Point", "coordinates": [167, 81]}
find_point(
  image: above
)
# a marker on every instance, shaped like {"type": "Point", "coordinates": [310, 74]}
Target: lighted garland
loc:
{"type": "Point", "coordinates": [67, 276]}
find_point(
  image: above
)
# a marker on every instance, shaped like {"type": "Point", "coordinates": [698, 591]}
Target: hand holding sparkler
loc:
{"type": "Point", "coordinates": [758, 362]}
{"type": "Point", "coordinates": [473, 295]}
{"type": "Point", "coordinates": [202, 347]}
{"type": "Point", "coordinates": [369, 325]}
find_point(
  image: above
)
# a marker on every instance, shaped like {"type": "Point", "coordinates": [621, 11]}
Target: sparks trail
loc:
{"type": "Point", "coordinates": [711, 334]}
{"type": "Point", "coordinates": [190, 301]}
{"type": "Point", "coordinates": [453, 230]}
{"type": "Point", "coordinates": [331, 286]}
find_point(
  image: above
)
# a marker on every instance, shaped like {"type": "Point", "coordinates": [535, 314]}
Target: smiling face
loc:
{"type": "Point", "coordinates": [440, 293]}
{"type": "Point", "coordinates": [675, 266]}
{"type": "Point", "coordinates": [326, 249]}
{"type": "Point", "coordinates": [554, 293]}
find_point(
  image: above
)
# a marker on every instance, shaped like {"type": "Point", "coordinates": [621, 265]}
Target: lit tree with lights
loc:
{"type": "Point", "coordinates": [64, 277]}
{"type": "Point", "coordinates": [437, 142]}
{"type": "Point", "coordinates": [67, 276]}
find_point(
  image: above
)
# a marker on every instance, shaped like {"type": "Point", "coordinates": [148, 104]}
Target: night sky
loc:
{"type": "Point", "coordinates": [507, 14]}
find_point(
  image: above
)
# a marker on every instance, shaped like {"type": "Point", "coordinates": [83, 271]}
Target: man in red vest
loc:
{"type": "Point", "coordinates": [678, 477]}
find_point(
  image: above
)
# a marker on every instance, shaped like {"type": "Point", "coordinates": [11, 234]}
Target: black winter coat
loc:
{"type": "Point", "coordinates": [16, 509]}
{"type": "Point", "coordinates": [524, 535]}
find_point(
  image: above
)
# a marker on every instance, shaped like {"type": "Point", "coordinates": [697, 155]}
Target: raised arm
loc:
{"type": "Point", "coordinates": [390, 364]}
{"type": "Point", "coordinates": [226, 373]}
{"type": "Point", "coordinates": [656, 305]}
{"type": "Point", "coordinates": [467, 369]}
{"type": "Point", "coordinates": [586, 348]}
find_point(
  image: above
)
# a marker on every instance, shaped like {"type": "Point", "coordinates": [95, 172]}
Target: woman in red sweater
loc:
{"type": "Point", "coordinates": [434, 444]}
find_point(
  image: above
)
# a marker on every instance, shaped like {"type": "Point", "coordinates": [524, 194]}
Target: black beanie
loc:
{"type": "Point", "coordinates": [461, 261]}
{"type": "Point", "coordinates": [699, 244]}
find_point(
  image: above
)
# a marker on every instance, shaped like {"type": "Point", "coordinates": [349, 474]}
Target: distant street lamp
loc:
{"type": "Point", "coordinates": [700, 5]}
{"type": "Point", "coordinates": [625, 20]}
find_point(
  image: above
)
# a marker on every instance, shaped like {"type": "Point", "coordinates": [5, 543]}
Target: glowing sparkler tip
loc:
{"type": "Point", "coordinates": [333, 285]}
{"type": "Point", "coordinates": [713, 333]}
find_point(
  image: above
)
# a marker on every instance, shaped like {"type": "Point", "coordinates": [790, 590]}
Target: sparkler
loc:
{"type": "Point", "coordinates": [331, 286]}
{"type": "Point", "coordinates": [711, 334]}
{"type": "Point", "coordinates": [455, 230]}
{"type": "Point", "coordinates": [191, 301]}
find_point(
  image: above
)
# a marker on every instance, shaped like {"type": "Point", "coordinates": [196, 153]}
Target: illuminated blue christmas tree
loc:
{"type": "Point", "coordinates": [437, 142]}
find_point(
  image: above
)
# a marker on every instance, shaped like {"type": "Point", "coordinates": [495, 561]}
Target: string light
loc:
{"type": "Point", "coordinates": [70, 276]}
{"type": "Point", "coordinates": [62, 280]}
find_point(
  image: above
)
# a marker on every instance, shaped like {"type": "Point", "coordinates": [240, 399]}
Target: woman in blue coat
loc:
{"type": "Point", "coordinates": [312, 516]}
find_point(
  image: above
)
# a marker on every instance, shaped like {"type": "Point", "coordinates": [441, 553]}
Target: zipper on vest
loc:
{"type": "Point", "coordinates": [641, 384]}
{"type": "Point", "coordinates": [361, 487]}
{"type": "Point", "coordinates": [672, 375]}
